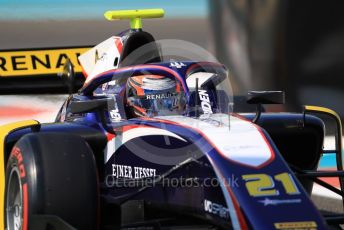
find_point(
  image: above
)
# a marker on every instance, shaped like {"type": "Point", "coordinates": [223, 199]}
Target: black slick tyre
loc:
{"type": "Point", "coordinates": [51, 175]}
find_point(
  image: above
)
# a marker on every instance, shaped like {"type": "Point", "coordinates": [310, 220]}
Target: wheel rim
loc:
{"type": "Point", "coordinates": [14, 201]}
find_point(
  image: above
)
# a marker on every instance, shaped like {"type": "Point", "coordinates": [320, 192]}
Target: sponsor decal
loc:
{"type": "Point", "coordinates": [268, 201]}
{"type": "Point", "coordinates": [205, 101]}
{"type": "Point", "coordinates": [207, 119]}
{"type": "Point", "coordinates": [102, 57]}
{"type": "Point", "coordinates": [114, 113]}
{"type": "Point", "coordinates": [177, 65]}
{"type": "Point", "coordinates": [159, 96]}
{"type": "Point", "coordinates": [300, 225]}
{"type": "Point", "coordinates": [38, 62]}
{"type": "Point", "coordinates": [216, 209]}
{"type": "Point", "coordinates": [18, 155]}
{"type": "Point", "coordinates": [127, 171]}
{"type": "Point", "coordinates": [96, 57]}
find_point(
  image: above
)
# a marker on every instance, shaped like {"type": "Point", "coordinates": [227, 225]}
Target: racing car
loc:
{"type": "Point", "coordinates": [152, 142]}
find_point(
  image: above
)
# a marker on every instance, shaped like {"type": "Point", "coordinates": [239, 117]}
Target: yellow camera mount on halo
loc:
{"type": "Point", "coordinates": [135, 16]}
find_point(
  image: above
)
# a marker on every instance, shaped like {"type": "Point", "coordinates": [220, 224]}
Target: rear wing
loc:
{"type": "Point", "coordinates": [39, 70]}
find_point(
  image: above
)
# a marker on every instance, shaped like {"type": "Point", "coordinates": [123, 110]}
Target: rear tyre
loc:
{"type": "Point", "coordinates": [51, 174]}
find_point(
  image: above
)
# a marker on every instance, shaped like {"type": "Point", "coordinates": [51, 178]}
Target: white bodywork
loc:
{"type": "Point", "coordinates": [101, 58]}
{"type": "Point", "coordinates": [236, 139]}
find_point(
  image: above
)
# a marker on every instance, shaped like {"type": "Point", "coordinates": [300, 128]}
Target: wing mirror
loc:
{"type": "Point", "coordinates": [68, 77]}
{"type": "Point", "coordinates": [94, 105]}
{"type": "Point", "coordinates": [90, 105]}
{"type": "Point", "coordinates": [264, 97]}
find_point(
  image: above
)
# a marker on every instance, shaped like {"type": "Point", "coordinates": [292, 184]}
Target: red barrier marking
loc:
{"type": "Point", "coordinates": [12, 111]}
{"type": "Point", "coordinates": [331, 180]}
{"type": "Point", "coordinates": [334, 181]}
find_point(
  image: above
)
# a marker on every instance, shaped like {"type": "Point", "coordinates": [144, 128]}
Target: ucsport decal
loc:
{"type": "Point", "coordinates": [38, 62]}
{"type": "Point", "coordinates": [216, 209]}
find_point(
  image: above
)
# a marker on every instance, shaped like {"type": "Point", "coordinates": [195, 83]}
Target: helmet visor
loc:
{"type": "Point", "coordinates": [159, 104]}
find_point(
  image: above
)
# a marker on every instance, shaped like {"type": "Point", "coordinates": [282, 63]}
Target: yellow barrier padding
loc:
{"type": "Point", "coordinates": [38, 62]}
{"type": "Point", "coordinates": [135, 16]}
{"type": "Point", "coordinates": [4, 131]}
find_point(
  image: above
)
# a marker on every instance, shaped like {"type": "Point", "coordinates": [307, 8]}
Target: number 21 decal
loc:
{"type": "Point", "coordinates": [264, 185]}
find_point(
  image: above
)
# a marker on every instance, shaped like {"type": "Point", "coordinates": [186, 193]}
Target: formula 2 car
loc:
{"type": "Point", "coordinates": [151, 141]}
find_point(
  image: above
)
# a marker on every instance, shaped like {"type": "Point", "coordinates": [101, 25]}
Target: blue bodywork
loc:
{"type": "Point", "coordinates": [235, 204]}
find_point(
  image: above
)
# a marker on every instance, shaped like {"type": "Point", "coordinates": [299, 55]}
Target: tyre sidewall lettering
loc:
{"type": "Point", "coordinates": [19, 161]}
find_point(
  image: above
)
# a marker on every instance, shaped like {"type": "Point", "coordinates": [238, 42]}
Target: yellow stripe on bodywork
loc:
{"type": "Point", "coordinates": [311, 108]}
{"type": "Point", "coordinates": [338, 135]}
{"type": "Point", "coordinates": [322, 110]}
{"type": "Point", "coordinates": [4, 131]}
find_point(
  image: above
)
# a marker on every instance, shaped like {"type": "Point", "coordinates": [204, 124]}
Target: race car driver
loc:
{"type": "Point", "coordinates": [154, 95]}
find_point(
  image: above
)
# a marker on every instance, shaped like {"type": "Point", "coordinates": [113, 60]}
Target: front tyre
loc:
{"type": "Point", "coordinates": [51, 175]}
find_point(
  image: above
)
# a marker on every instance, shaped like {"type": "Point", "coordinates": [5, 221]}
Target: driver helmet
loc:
{"type": "Point", "coordinates": [154, 95]}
